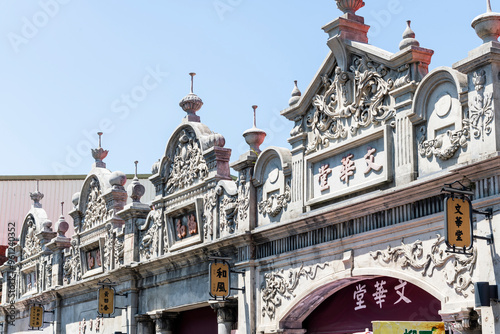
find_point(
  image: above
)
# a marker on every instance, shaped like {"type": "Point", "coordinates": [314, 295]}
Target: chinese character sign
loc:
{"type": "Point", "coordinates": [36, 316]}
{"type": "Point", "coordinates": [106, 300]}
{"type": "Point", "coordinates": [219, 279]}
{"type": "Point", "coordinates": [458, 219]}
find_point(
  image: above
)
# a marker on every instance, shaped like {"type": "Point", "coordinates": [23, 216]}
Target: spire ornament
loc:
{"type": "Point", "coordinates": [36, 196]}
{"type": "Point", "coordinates": [408, 37]}
{"type": "Point", "coordinates": [62, 224]}
{"type": "Point", "coordinates": [191, 103]}
{"type": "Point", "coordinates": [487, 25]}
{"type": "Point", "coordinates": [254, 136]}
{"type": "Point", "coordinates": [295, 95]}
{"type": "Point", "coordinates": [349, 6]}
{"type": "Point", "coordinates": [135, 189]}
{"type": "Point", "coordinates": [99, 154]}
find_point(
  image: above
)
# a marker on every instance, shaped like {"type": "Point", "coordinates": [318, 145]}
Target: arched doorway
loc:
{"type": "Point", "coordinates": [353, 308]}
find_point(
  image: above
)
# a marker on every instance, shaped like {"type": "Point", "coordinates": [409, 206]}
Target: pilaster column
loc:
{"type": "Point", "coordinates": [145, 324]}
{"type": "Point", "coordinates": [164, 322]}
{"type": "Point", "coordinates": [226, 315]}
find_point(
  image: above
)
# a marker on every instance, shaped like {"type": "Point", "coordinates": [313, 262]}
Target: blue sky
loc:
{"type": "Point", "coordinates": [70, 67]}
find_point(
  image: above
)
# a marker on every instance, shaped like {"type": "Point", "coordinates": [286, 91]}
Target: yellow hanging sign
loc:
{"type": "Point", "coordinates": [219, 279]}
{"type": "Point", "coordinates": [458, 218]}
{"type": "Point", "coordinates": [407, 327]}
{"type": "Point", "coordinates": [106, 300]}
{"type": "Point", "coordinates": [36, 316]}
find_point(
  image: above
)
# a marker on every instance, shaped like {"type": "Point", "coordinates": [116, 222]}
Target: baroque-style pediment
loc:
{"type": "Point", "coordinates": [352, 100]}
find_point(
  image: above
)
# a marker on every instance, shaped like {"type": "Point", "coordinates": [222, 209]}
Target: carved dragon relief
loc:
{"type": "Point", "coordinates": [150, 236]}
{"type": "Point", "coordinates": [281, 284]}
{"type": "Point", "coordinates": [481, 109]}
{"type": "Point", "coordinates": [188, 164]}
{"type": "Point", "coordinates": [352, 100]}
{"type": "Point", "coordinates": [96, 210]}
{"type": "Point", "coordinates": [460, 267]}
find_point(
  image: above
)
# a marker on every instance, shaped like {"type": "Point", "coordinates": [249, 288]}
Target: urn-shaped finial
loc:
{"type": "Point", "coordinates": [254, 136]}
{"type": "Point", "coordinates": [99, 154]}
{"type": "Point", "coordinates": [191, 103]}
{"type": "Point", "coordinates": [36, 196]}
{"type": "Point", "coordinates": [349, 6]}
{"type": "Point", "coordinates": [487, 25]}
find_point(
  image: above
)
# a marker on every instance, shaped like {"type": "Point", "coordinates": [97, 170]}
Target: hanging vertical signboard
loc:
{"type": "Point", "coordinates": [458, 217]}
{"type": "Point", "coordinates": [219, 279]}
{"type": "Point", "coordinates": [106, 300]}
{"type": "Point", "coordinates": [36, 317]}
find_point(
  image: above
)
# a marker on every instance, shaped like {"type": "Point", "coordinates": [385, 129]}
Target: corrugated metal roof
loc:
{"type": "Point", "coordinates": [15, 201]}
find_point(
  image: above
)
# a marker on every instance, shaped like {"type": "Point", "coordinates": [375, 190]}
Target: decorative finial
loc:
{"type": "Point", "coordinates": [254, 136]}
{"type": "Point", "coordinates": [487, 25]}
{"type": "Point", "coordinates": [408, 37]}
{"type": "Point", "coordinates": [99, 154]}
{"type": "Point", "coordinates": [295, 94]}
{"type": "Point", "coordinates": [191, 103]}
{"type": "Point", "coordinates": [135, 189]}
{"type": "Point", "coordinates": [254, 107]}
{"type": "Point", "coordinates": [349, 6]}
{"type": "Point", "coordinates": [36, 196]}
{"type": "Point", "coordinates": [62, 224]}
{"type": "Point", "coordinates": [192, 74]}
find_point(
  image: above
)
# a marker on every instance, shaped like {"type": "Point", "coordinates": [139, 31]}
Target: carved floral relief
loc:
{"type": "Point", "coordinates": [96, 210]}
{"type": "Point", "coordinates": [188, 164]}
{"type": "Point", "coordinates": [31, 242]}
{"type": "Point", "coordinates": [481, 108]}
{"type": "Point", "coordinates": [282, 284]}
{"type": "Point", "coordinates": [458, 269]}
{"type": "Point", "coordinates": [275, 203]}
{"type": "Point", "coordinates": [351, 101]}
{"type": "Point", "coordinates": [150, 235]}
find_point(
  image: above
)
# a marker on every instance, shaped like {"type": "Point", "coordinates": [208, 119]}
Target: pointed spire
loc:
{"type": "Point", "coordinates": [408, 37]}
{"type": "Point", "coordinates": [254, 136]}
{"type": "Point", "coordinates": [191, 103]}
{"type": "Point", "coordinates": [36, 196]}
{"type": "Point", "coordinates": [99, 154]}
{"type": "Point", "coordinates": [295, 95]}
{"type": "Point", "coordinates": [487, 25]}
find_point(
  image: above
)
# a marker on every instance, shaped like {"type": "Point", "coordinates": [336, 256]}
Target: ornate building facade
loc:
{"type": "Point", "coordinates": [343, 228]}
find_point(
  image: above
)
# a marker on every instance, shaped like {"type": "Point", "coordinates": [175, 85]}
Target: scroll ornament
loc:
{"type": "Point", "coordinates": [412, 256]}
{"type": "Point", "coordinates": [282, 284]}
{"type": "Point", "coordinates": [275, 203]}
{"type": "Point", "coordinates": [188, 164]}
{"type": "Point", "coordinates": [348, 104]}
{"type": "Point", "coordinates": [96, 210]}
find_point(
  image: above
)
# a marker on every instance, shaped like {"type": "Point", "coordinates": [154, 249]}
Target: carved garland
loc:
{"type": "Point", "coordinates": [356, 105]}
{"type": "Point", "coordinates": [72, 269]}
{"type": "Point", "coordinates": [460, 278]}
{"type": "Point", "coordinates": [276, 203]}
{"type": "Point", "coordinates": [282, 284]}
{"type": "Point", "coordinates": [458, 138]}
{"type": "Point", "coordinates": [188, 164]}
